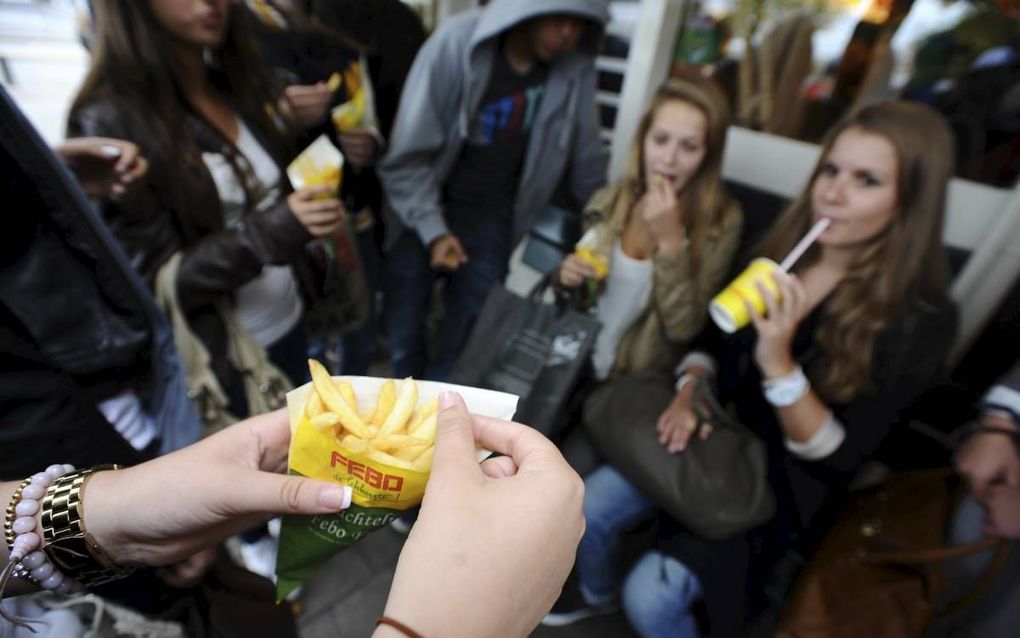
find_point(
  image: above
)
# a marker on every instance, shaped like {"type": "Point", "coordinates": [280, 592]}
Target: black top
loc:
{"type": "Point", "coordinates": [483, 182]}
{"type": "Point", "coordinates": [908, 357]}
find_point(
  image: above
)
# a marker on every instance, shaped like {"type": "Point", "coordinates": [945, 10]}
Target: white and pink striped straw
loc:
{"type": "Point", "coordinates": [805, 243]}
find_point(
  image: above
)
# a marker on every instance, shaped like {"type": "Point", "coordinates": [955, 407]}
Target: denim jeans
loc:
{"type": "Point", "coordinates": [657, 596]}
{"type": "Point", "coordinates": [658, 591]}
{"type": "Point", "coordinates": [409, 279]}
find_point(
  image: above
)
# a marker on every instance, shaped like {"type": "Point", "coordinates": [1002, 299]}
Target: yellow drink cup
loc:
{"type": "Point", "coordinates": [728, 310]}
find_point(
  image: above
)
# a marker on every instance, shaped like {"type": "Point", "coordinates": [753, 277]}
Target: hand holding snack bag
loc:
{"type": "Point", "coordinates": [357, 114]}
{"type": "Point", "coordinates": [321, 164]}
{"type": "Point", "coordinates": [376, 436]}
{"type": "Point", "coordinates": [587, 251]}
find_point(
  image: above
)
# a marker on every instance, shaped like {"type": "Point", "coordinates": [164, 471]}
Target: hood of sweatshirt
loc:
{"type": "Point", "coordinates": [501, 15]}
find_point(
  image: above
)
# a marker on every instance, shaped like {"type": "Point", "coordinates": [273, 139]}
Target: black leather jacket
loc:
{"type": "Point", "coordinates": [73, 329]}
{"type": "Point", "coordinates": [169, 215]}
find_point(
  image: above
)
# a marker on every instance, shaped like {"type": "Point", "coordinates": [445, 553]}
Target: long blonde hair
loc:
{"type": "Point", "coordinates": [703, 198]}
{"type": "Point", "coordinates": [903, 265]}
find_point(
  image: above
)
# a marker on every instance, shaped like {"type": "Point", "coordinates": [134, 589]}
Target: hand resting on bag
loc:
{"type": "Point", "coordinates": [678, 422]}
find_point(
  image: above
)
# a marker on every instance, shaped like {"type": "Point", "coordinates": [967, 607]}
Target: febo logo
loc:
{"type": "Point", "coordinates": [371, 476]}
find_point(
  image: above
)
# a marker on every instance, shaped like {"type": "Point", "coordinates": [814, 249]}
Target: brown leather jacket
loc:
{"type": "Point", "coordinates": [170, 214]}
{"type": "Point", "coordinates": [678, 306]}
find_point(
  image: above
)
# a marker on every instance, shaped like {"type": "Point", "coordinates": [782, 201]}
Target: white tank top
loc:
{"type": "Point", "coordinates": [625, 297]}
{"type": "Point", "coordinates": [269, 306]}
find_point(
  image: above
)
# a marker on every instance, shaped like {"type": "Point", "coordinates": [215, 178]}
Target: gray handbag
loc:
{"type": "Point", "coordinates": [717, 487]}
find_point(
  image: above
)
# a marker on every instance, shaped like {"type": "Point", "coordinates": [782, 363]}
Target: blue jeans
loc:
{"type": "Point", "coordinates": [409, 279]}
{"type": "Point", "coordinates": [659, 590]}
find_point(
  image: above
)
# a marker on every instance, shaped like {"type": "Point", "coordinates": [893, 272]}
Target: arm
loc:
{"type": "Point", "coordinates": [149, 224]}
{"type": "Point", "coordinates": [986, 458]}
{"type": "Point", "coordinates": [430, 100]}
{"type": "Point", "coordinates": [232, 479]}
{"type": "Point", "coordinates": [831, 441]}
{"type": "Point", "coordinates": [681, 297]}
{"type": "Point", "coordinates": [589, 163]}
{"type": "Point", "coordinates": [43, 417]}
{"type": "Point", "coordinates": [104, 167]}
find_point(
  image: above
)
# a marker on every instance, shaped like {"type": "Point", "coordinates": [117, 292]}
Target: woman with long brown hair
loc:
{"type": "Point", "coordinates": [856, 332]}
{"type": "Point", "coordinates": [667, 231]}
{"type": "Point", "coordinates": [180, 79]}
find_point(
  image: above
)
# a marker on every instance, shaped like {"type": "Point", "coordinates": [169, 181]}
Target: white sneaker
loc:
{"type": "Point", "coordinates": [400, 526]}
{"type": "Point", "coordinates": [260, 557]}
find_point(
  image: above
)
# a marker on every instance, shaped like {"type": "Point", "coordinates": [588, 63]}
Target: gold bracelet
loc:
{"type": "Point", "coordinates": [68, 545]}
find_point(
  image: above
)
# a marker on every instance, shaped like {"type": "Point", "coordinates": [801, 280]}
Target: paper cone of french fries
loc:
{"type": "Point", "coordinates": [321, 164]}
{"type": "Point", "coordinates": [375, 435]}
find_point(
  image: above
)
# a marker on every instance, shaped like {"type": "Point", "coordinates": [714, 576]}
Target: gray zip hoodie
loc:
{"type": "Point", "coordinates": [442, 95]}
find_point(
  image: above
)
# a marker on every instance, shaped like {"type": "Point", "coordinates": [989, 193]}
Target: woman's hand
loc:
{"type": "Point", "coordinates": [168, 509]}
{"type": "Point", "coordinates": [1002, 507]}
{"type": "Point", "coordinates": [494, 542]}
{"type": "Point", "coordinates": [359, 147]}
{"type": "Point", "coordinates": [988, 458]}
{"type": "Point", "coordinates": [678, 422]}
{"type": "Point", "coordinates": [776, 329]}
{"type": "Point", "coordinates": [318, 210]}
{"type": "Point", "coordinates": [305, 105]}
{"type": "Point", "coordinates": [574, 271]}
{"type": "Point", "coordinates": [661, 211]}
{"type": "Point", "coordinates": [103, 166]}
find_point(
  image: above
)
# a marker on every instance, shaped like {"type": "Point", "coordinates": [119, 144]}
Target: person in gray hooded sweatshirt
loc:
{"type": "Point", "coordinates": [498, 114]}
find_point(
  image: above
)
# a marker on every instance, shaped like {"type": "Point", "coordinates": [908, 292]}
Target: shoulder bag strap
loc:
{"type": "Point", "coordinates": [203, 386]}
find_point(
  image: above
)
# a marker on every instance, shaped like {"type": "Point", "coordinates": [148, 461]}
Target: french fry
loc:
{"type": "Point", "coordinates": [387, 442]}
{"type": "Point", "coordinates": [409, 453]}
{"type": "Point", "coordinates": [424, 461]}
{"type": "Point", "coordinates": [331, 397]}
{"type": "Point", "coordinates": [426, 429]}
{"type": "Point", "coordinates": [406, 401]}
{"type": "Point", "coordinates": [314, 407]}
{"type": "Point", "coordinates": [347, 392]}
{"type": "Point", "coordinates": [355, 444]}
{"type": "Point", "coordinates": [388, 459]}
{"type": "Point", "coordinates": [424, 411]}
{"type": "Point", "coordinates": [326, 421]}
{"type": "Point", "coordinates": [384, 403]}
{"type": "Point", "coordinates": [334, 81]}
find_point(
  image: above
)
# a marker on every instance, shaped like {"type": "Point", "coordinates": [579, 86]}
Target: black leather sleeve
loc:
{"type": "Point", "coordinates": [154, 223]}
{"type": "Point", "coordinates": [44, 418]}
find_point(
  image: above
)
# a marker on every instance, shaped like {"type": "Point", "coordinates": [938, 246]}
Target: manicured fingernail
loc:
{"type": "Point", "coordinates": [109, 150]}
{"type": "Point", "coordinates": [336, 499]}
{"type": "Point", "coordinates": [448, 400]}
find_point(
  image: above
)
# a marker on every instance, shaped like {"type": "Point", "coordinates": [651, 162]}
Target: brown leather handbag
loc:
{"type": "Point", "coordinates": [880, 570]}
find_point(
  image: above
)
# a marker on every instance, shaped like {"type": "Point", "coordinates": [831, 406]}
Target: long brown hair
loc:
{"type": "Point", "coordinates": [903, 265]}
{"type": "Point", "coordinates": [132, 61]}
{"type": "Point", "coordinates": [703, 198]}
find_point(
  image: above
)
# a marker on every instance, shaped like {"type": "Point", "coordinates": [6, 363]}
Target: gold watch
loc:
{"type": "Point", "coordinates": [72, 549]}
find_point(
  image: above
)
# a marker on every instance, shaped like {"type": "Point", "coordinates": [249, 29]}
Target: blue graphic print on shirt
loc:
{"type": "Point", "coordinates": [510, 115]}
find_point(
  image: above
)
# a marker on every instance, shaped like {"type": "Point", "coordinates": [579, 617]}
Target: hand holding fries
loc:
{"type": "Point", "coordinates": [376, 436]}
{"type": "Point", "coordinates": [501, 535]}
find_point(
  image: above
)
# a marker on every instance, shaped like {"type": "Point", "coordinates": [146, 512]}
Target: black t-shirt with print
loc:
{"type": "Point", "coordinates": [483, 182]}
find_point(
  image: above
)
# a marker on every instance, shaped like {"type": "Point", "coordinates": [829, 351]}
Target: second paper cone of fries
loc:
{"type": "Point", "coordinates": [375, 435]}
